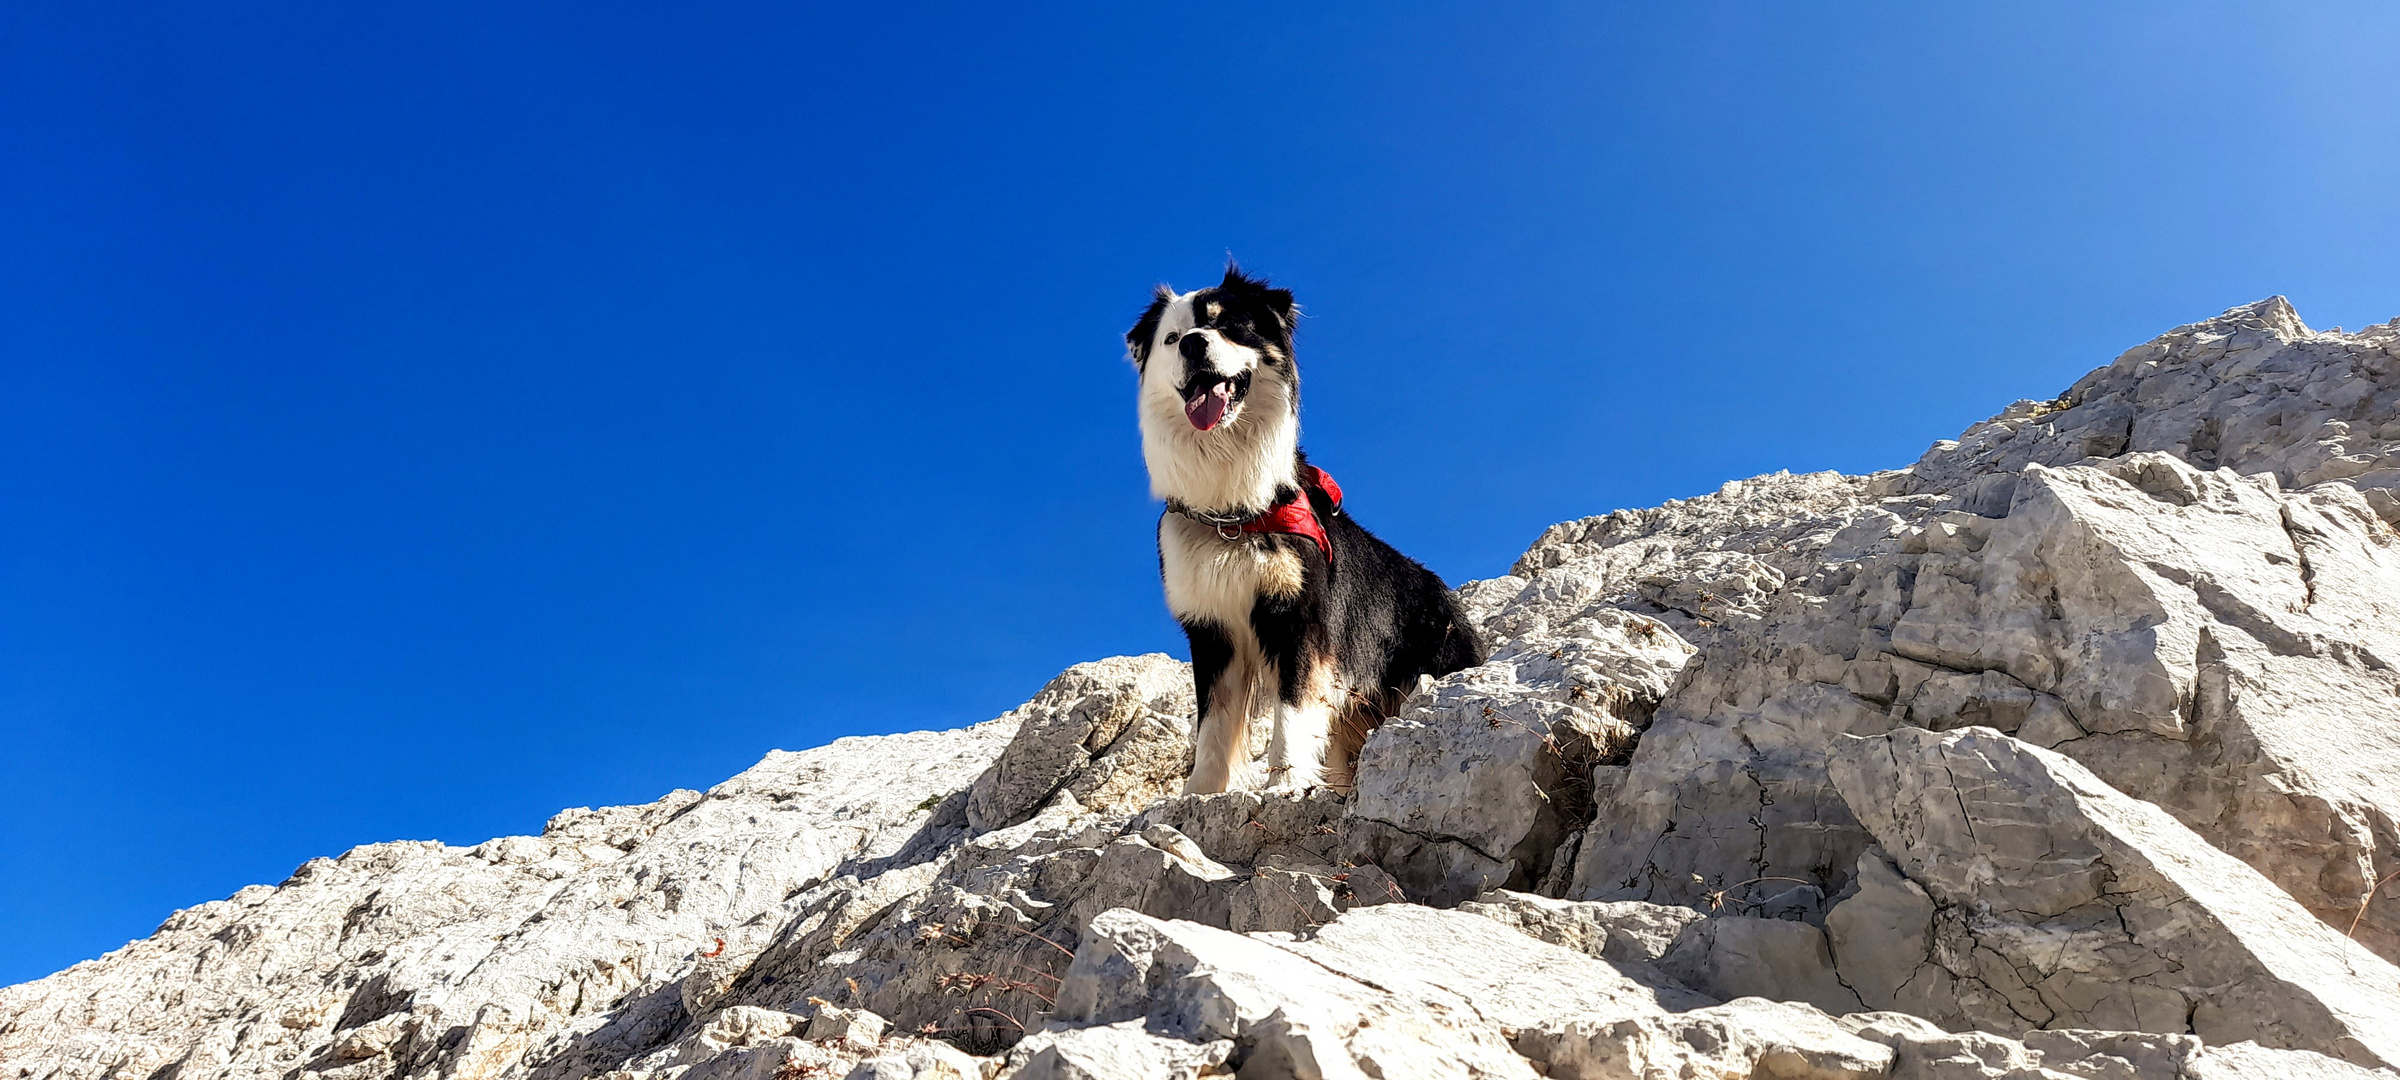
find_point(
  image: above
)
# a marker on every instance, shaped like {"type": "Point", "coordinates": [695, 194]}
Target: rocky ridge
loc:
{"type": "Point", "coordinates": [2070, 750]}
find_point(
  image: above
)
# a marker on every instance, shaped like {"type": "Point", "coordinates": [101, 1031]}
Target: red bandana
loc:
{"type": "Point", "coordinates": [1296, 517]}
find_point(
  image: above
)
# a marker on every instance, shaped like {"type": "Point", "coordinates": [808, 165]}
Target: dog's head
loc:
{"type": "Point", "coordinates": [1205, 351]}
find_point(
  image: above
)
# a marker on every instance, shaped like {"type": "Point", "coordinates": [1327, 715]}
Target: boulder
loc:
{"type": "Point", "coordinates": [2061, 902]}
{"type": "Point", "coordinates": [1751, 1037]}
{"type": "Point", "coordinates": [1529, 988]}
{"type": "Point", "coordinates": [1499, 757]}
{"type": "Point", "coordinates": [2155, 574]}
{"type": "Point", "coordinates": [1114, 733]}
{"type": "Point", "coordinates": [1120, 1051]}
{"type": "Point", "coordinates": [855, 1028]}
{"type": "Point", "coordinates": [1627, 931]}
{"type": "Point", "coordinates": [1924, 1051]}
{"type": "Point", "coordinates": [1739, 956]}
{"type": "Point", "coordinates": [923, 1060]}
{"type": "Point", "coordinates": [1285, 1015]}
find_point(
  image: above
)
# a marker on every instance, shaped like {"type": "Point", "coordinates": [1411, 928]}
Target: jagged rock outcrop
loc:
{"type": "Point", "coordinates": [1499, 757]}
{"type": "Point", "coordinates": [2060, 902]}
{"type": "Point", "coordinates": [1114, 734]}
{"type": "Point", "coordinates": [2212, 641]}
{"type": "Point", "coordinates": [2071, 750]}
{"type": "Point", "coordinates": [554, 955]}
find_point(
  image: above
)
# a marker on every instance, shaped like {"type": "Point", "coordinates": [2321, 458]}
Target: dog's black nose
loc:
{"type": "Point", "coordinates": [1194, 346]}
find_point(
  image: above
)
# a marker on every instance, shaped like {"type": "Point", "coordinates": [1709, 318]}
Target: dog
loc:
{"type": "Point", "coordinates": [1276, 586]}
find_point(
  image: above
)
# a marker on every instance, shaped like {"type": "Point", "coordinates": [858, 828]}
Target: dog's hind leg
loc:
{"type": "Point", "coordinates": [1225, 681]}
{"type": "Point", "coordinates": [1355, 718]}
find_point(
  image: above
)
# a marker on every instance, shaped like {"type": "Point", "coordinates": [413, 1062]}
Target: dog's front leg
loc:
{"type": "Point", "coordinates": [1303, 721]}
{"type": "Point", "coordinates": [1224, 680]}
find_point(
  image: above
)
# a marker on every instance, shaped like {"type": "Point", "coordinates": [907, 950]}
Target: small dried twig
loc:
{"type": "Point", "coordinates": [1069, 953]}
{"type": "Point", "coordinates": [1037, 971]}
{"type": "Point", "coordinates": [1717, 899]}
{"type": "Point", "coordinates": [2367, 899]}
{"type": "Point", "coordinates": [971, 981]}
{"type": "Point", "coordinates": [1012, 1021]}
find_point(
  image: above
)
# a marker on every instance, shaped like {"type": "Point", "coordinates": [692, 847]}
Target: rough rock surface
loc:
{"type": "Point", "coordinates": [2071, 750]}
{"type": "Point", "coordinates": [1115, 734]}
{"type": "Point", "coordinates": [565, 949]}
{"type": "Point", "coordinates": [2061, 902]}
{"type": "Point", "coordinates": [1498, 757]}
{"type": "Point", "coordinates": [2159, 574]}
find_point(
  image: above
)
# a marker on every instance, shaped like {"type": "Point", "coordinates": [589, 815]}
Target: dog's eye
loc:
{"type": "Point", "coordinates": [1172, 335]}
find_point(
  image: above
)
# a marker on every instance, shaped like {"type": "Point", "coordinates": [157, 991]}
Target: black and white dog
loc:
{"type": "Point", "coordinates": [1276, 587]}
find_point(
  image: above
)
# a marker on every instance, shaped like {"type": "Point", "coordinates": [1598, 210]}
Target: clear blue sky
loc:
{"type": "Point", "coordinates": [416, 419]}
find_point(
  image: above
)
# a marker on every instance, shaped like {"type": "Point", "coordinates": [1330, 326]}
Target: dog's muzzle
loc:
{"type": "Point", "coordinates": [1207, 396]}
{"type": "Point", "coordinates": [1210, 396]}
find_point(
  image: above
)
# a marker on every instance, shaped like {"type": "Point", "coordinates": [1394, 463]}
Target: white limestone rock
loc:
{"type": "Point", "coordinates": [1881, 935]}
{"type": "Point", "coordinates": [2203, 641]}
{"type": "Point", "coordinates": [565, 950]}
{"type": "Point", "coordinates": [1894, 608]}
{"type": "Point", "coordinates": [856, 1028]}
{"type": "Point", "coordinates": [1751, 1037]}
{"type": "Point", "coordinates": [1738, 956]}
{"type": "Point", "coordinates": [1498, 757]}
{"type": "Point", "coordinates": [2063, 903]}
{"type": "Point", "coordinates": [1120, 1051]}
{"type": "Point", "coordinates": [1922, 1050]}
{"type": "Point", "coordinates": [2219, 647]}
{"type": "Point", "coordinates": [2250, 1061]}
{"type": "Point", "coordinates": [1114, 732]}
{"type": "Point", "coordinates": [1530, 989]}
{"type": "Point", "coordinates": [2253, 390]}
{"type": "Point", "coordinates": [1286, 1015]}
{"type": "Point", "coordinates": [924, 1060]}
{"type": "Point", "coordinates": [1381, 991]}
{"type": "Point", "coordinates": [1355, 998]}
{"type": "Point", "coordinates": [1628, 931]}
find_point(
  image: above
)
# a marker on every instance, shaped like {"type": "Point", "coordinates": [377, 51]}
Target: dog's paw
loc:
{"type": "Point", "coordinates": [1202, 785]}
{"type": "Point", "coordinates": [1295, 778]}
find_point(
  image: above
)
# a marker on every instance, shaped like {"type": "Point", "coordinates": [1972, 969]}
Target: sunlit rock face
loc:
{"type": "Point", "coordinates": [2070, 750]}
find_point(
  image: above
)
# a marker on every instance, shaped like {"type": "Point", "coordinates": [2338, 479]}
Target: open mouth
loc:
{"type": "Point", "coordinates": [1208, 399]}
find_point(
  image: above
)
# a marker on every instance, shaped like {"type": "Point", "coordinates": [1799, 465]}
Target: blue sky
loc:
{"type": "Point", "coordinates": [416, 420]}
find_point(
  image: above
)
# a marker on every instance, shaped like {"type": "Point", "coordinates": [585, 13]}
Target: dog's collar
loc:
{"type": "Point", "coordinates": [1292, 516]}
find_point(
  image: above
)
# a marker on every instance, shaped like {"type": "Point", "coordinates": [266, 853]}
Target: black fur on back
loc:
{"type": "Point", "coordinates": [1382, 617]}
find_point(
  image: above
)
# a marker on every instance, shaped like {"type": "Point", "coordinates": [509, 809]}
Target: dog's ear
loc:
{"type": "Point", "coordinates": [1145, 329]}
{"type": "Point", "coordinates": [1279, 301]}
{"type": "Point", "coordinates": [1276, 300]}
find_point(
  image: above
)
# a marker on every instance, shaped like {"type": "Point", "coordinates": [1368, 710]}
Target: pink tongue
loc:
{"type": "Point", "coordinates": [1209, 408]}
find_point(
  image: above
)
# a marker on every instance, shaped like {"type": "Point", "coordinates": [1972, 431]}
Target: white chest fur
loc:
{"type": "Point", "coordinates": [1212, 579]}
